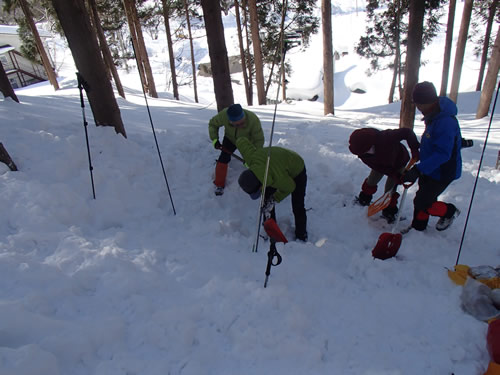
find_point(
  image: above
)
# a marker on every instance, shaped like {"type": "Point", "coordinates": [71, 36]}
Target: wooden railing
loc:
{"type": "Point", "coordinates": [23, 68]}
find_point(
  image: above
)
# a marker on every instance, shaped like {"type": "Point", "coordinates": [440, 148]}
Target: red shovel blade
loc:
{"type": "Point", "coordinates": [387, 246]}
{"type": "Point", "coordinates": [273, 231]}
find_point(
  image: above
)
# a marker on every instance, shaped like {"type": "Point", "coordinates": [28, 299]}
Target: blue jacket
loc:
{"type": "Point", "coordinates": [441, 143]}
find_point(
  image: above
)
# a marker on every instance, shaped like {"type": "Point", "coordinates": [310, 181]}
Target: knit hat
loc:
{"type": "Point", "coordinates": [362, 140]}
{"type": "Point", "coordinates": [235, 113]}
{"type": "Point", "coordinates": [424, 93]}
{"type": "Point", "coordinates": [250, 183]}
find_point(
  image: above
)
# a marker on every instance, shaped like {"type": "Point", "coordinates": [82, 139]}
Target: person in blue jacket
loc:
{"type": "Point", "coordinates": [440, 159]}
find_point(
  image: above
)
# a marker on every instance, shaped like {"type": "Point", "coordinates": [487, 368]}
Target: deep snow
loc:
{"type": "Point", "coordinates": [121, 285]}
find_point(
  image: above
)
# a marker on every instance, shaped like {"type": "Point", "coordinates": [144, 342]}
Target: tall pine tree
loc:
{"type": "Point", "coordinates": [386, 37]}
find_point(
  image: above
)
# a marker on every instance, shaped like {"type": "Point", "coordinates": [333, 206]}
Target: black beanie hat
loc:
{"type": "Point", "coordinates": [361, 140]}
{"type": "Point", "coordinates": [424, 93]}
{"type": "Point", "coordinates": [250, 183]}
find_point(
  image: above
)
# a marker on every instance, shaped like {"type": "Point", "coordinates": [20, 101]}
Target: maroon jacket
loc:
{"type": "Point", "coordinates": [390, 155]}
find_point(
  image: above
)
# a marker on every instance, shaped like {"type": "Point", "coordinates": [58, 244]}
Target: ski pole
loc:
{"type": "Point", "coordinates": [477, 175]}
{"type": "Point", "coordinates": [271, 254]}
{"type": "Point", "coordinates": [82, 84]}
{"type": "Point", "coordinates": [154, 133]}
{"type": "Point", "coordinates": [266, 172]}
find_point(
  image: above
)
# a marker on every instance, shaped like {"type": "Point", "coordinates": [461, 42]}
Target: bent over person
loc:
{"type": "Point", "coordinates": [440, 158]}
{"type": "Point", "coordinates": [286, 175]}
{"type": "Point", "coordinates": [382, 151]}
{"type": "Point", "coordinates": [237, 122]}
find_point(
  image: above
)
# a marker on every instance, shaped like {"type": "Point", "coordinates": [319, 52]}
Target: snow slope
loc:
{"type": "Point", "coordinates": [121, 285]}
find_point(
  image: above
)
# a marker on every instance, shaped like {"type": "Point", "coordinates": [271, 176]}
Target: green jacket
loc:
{"type": "Point", "coordinates": [252, 130]}
{"type": "Point", "coordinates": [284, 166]}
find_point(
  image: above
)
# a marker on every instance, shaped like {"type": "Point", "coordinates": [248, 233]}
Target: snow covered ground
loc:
{"type": "Point", "coordinates": [120, 285]}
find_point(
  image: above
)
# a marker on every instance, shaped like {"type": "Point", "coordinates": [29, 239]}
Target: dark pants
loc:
{"type": "Point", "coordinates": [428, 191]}
{"type": "Point", "coordinates": [298, 208]}
{"type": "Point", "coordinates": [225, 157]}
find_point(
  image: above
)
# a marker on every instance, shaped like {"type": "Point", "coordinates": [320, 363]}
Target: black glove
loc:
{"type": "Point", "coordinates": [411, 176]}
{"type": "Point", "coordinates": [467, 143]}
{"type": "Point", "coordinates": [268, 207]}
{"type": "Point", "coordinates": [217, 144]}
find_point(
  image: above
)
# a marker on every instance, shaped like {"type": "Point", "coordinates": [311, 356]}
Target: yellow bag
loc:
{"type": "Point", "coordinates": [461, 272]}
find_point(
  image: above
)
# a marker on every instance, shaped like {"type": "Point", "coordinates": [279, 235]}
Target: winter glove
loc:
{"type": "Point", "coordinates": [411, 176]}
{"type": "Point", "coordinates": [269, 192]}
{"type": "Point", "coordinates": [467, 143]}
{"type": "Point", "coordinates": [268, 207]}
{"type": "Point", "coordinates": [216, 144]}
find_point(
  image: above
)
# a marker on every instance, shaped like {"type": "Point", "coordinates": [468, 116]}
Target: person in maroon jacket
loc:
{"type": "Point", "coordinates": [383, 152]}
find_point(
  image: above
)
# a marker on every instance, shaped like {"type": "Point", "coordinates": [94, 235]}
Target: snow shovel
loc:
{"type": "Point", "coordinates": [388, 243]}
{"type": "Point", "coordinates": [385, 199]}
{"type": "Point", "coordinates": [275, 235]}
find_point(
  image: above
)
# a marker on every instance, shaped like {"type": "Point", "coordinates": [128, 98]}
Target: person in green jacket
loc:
{"type": "Point", "coordinates": [286, 175]}
{"type": "Point", "coordinates": [237, 122]}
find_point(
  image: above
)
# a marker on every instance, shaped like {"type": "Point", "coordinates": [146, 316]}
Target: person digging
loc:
{"type": "Point", "coordinates": [237, 122]}
{"type": "Point", "coordinates": [286, 175]}
{"type": "Point", "coordinates": [383, 152]}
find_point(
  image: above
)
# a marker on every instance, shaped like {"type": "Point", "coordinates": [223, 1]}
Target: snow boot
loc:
{"type": "Point", "coordinates": [220, 177]}
{"type": "Point", "coordinates": [363, 199]}
{"type": "Point", "coordinates": [389, 214]}
{"type": "Point", "coordinates": [366, 194]}
{"type": "Point", "coordinates": [391, 211]}
{"type": "Point", "coordinates": [301, 237]}
{"type": "Point", "coordinates": [445, 222]}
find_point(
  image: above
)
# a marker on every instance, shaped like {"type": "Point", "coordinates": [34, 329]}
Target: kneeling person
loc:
{"type": "Point", "coordinates": [286, 175]}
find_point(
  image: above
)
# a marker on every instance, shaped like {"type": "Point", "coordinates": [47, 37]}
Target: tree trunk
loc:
{"type": "Point", "coordinates": [397, 56]}
{"type": "Point", "coordinates": [5, 86]}
{"type": "Point", "coordinates": [413, 52]}
{"type": "Point", "coordinates": [171, 57]}
{"type": "Point", "coordinates": [486, 44]}
{"type": "Point", "coordinates": [447, 47]}
{"type": "Point", "coordinates": [257, 52]}
{"type": "Point", "coordinates": [82, 41]}
{"type": "Point", "coordinates": [5, 157]}
{"type": "Point", "coordinates": [248, 56]}
{"type": "Point", "coordinates": [459, 54]}
{"type": "Point", "coordinates": [193, 65]}
{"type": "Point", "coordinates": [140, 48]}
{"type": "Point", "coordinates": [108, 59]}
{"type": "Point", "coordinates": [283, 79]}
{"type": "Point", "coordinates": [39, 44]}
{"type": "Point", "coordinates": [133, 37]}
{"type": "Point", "coordinates": [326, 15]}
{"type": "Point", "coordinates": [270, 78]}
{"type": "Point", "coordinates": [242, 53]}
{"type": "Point", "coordinates": [218, 53]}
{"type": "Point", "coordinates": [490, 80]}
{"type": "Point", "coordinates": [400, 81]}
{"type": "Point", "coordinates": [282, 53]}
{"type": "Point", "coordinates": [394, 77]}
